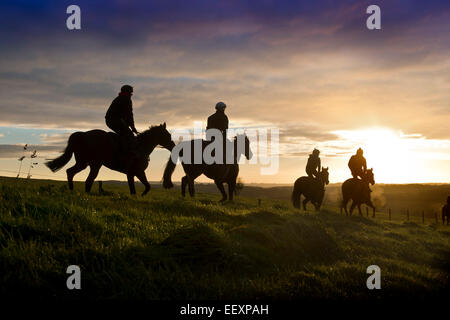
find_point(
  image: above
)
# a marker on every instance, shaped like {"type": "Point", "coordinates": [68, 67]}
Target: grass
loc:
{"type": "Point", "coordinates": [163, 247]}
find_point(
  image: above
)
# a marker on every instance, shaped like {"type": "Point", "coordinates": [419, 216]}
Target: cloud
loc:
{"type": "Point", "coordinates": [8, 151]}
{"type": "Point", "coordinates": [310, 62]}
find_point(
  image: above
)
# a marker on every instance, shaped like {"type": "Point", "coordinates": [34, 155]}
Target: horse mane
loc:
{"type": "Point", "coordinates": [147, 133]}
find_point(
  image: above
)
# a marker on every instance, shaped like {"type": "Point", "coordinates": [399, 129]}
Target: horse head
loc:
{"type": "Point", "coordinates": [324, 175]}
{"type": "Point", "coordinates": [159, 135]}
{"type": "Point", "coordinates": [369, 177]}
{"type": "Point", "coordinates": [239, 141]}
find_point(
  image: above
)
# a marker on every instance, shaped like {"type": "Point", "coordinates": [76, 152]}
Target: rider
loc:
{"type": "Point", "coordinates": [219, 121]}
{"type": "Point", "coordinates": [313, 165]}
{"type": "Point", "coordinates": [357, 164]}
{"type": "Point", "coordinates": [119, 117]}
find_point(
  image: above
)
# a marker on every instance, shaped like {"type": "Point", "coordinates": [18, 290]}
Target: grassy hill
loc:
{"type": "Point", "coordinates": [164, 247]}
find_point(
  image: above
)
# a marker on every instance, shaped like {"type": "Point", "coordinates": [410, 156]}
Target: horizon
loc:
{"type": "Point", "coordinates": [251, 184]}
{"type": "Point", "coordinates": [312, 70]}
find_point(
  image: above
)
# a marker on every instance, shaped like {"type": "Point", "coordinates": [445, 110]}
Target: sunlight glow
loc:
{"type": "Point", "coordinates": [392, 154]}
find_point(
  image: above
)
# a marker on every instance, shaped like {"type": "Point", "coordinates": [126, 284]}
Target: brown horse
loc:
{"type": "Point", "coordinates": [220, 173]}
{"type": "Point", "coordinates": [97, 148]}
{"type": "Point", "coordinates": [358, 191]}
{"type": "Point", "coordinates": [312, 188]}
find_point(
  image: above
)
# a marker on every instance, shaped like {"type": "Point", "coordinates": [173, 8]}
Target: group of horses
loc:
{"type": "Point", "coordinates": [97, 148]}
{"type": "Point", "coordinates": [313, 190]}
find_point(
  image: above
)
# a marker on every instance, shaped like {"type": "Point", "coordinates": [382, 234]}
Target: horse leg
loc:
{"type": "Point", "coordinates": [359, 209]}
{"type": "Point", "coordinates": [344, 205]}
{"type": "Point", "coordinates": [143, 178]}
{"type": "Point", "coordinates": [304, 203]}
{"type": "Point", "coordinates": [370, 204]}
{"type": "Point", "coordinates": [317, 206]}
{"type": "Point", "coordinates": [191, 186]}
{"type": "Point", "coordinates": [183, 186]}
{"type": "Point", "coordinates": [231, 187]}
{"type": "Point", "coordinates": [91, 177]}
{"type": "Point", "coordinates": [130, 178]}
{"type": "Point", "coordinates": [221, 189]}
{"type": "Point", "coordinates": [352, 207]}
{"type": "Point", "coordinates": [190, 178]}
{"type": "Point", "coordinates": [72, 171]}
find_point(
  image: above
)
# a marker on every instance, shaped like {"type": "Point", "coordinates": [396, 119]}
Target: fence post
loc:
{"type": "Point", "coordinates": [407, 214]}
{"type": "Point", "coordinates": [423, 217]}
{"type": "Point", "coordinates": [100, 187]}
{"type": "Point", "coordinates": [389, 214]}
{"type": "Point", "coordinates": [259, 202]}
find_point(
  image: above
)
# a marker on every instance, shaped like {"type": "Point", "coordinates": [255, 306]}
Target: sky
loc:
{"type": "Point", "coordinates": [310, 69]}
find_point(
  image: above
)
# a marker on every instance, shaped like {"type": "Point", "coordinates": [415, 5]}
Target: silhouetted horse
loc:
{"type": "Point", "coordinates": [446, 211]}
{"type": "Point", "coordinates": [220, 173]}
{"type": "Point", "coordinates": [358, 191]}
{"type": "Point", "coordinates": [313, 189]}
{"type": "Point", "coordinates": [98, 148]}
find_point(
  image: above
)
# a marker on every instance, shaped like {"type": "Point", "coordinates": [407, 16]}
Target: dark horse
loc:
{"type": "Point", "coordinates": [98, 148]}
{"type": "Point", "coordinates": [312, 188]}
{"type": "Point", "coordinates": [220, 173]}
{"type": "Point", "coordinates": [358, 191]}
{"type": "Point", "coordinates": [446, 211]}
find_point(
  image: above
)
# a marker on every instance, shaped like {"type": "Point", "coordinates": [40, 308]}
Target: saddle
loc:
{"type": "Point", "coordinates": [125, 144]}
{"type": "Point", "coordinates": [124, 148]}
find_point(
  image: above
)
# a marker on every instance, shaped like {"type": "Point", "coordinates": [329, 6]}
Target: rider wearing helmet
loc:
{"type": "Point", "coordinates": [219, 121]}
{"type": "Point", "coordinates": [119, 116]}
{"type": "Point", "coordinates": [313, 165]}
{"type": "Point", "coordinates": [357, 164]}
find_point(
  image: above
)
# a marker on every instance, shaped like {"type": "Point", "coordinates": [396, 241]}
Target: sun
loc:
{"type": "Point", "coordinates": [386, 150]}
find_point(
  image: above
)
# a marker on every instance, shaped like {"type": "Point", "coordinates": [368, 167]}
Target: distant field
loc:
{"type": "Point", "coordinates": [416, 198]}
{"type": "Point", "coordinates": [163, 247]}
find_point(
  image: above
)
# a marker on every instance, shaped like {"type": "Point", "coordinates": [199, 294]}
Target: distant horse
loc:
{"type": "Point", "coordinates": [446, 211]}
{"type": "Point", "coordinates": [358, 191]}
{"type": "Point", "coordinates": [312, 188]}
{"type": "Point", "coordinates": [220, 173]}
{"type": "Point", "coordinates": [98, 148]}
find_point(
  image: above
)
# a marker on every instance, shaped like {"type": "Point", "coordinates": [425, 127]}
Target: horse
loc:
{"type": "Point", "coordinates": [97, 148]}
{"type": "Point", "coordinates": [446, 211]}
{"type": "Point", "coordinates": [219, 172]}
{"type": "Point", "coordinates": [313, 189]}
{"type": "Point", "coordinates": [358, 191]}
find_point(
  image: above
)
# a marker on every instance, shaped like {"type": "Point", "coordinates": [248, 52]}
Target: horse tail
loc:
{"type": "Point", "coordinates": [168, 171]}
{"type": "Point", "coordinates": [295, 197]}
{"type": "Point", "coordinates": [63, 159]}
